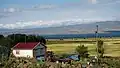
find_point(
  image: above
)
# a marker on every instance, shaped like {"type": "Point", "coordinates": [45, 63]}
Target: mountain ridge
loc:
{"type": "Point", "coordinates": [69, 29]}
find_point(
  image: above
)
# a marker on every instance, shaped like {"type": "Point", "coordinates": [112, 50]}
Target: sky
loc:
{"type": "Point", "coordinates": [23, 14]}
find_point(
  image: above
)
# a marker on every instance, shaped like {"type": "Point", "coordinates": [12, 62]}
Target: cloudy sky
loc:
{"type": "Point", "coordinates": [47, 13]}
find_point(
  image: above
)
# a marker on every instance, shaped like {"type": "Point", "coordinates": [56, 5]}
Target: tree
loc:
{"type": "Point", "coordinates": [82, 51]}
{"type": "Point", "coordinates": [31, 38]}
{"type": "Point", "coordinates": [5, 48]}
{"type": "Point", "coordinates": [41, 39]}
{"type": "Point", "coordinates": [1, 36]}
{"type": "Point", "coordinates": [16, 38]}
{"type": "Point", "coordinates": [100, 48]}
{"type": "Point", "coordinates": [4, 52]}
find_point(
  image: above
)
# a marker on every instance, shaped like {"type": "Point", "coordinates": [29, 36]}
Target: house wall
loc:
{"type": "Point", "coordinates": [40, 52]}
{"type": "Point", "coordinates": [23, 53]}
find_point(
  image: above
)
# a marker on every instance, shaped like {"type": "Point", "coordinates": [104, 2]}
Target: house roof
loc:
{"type": "Point", "coordinates": [27, 45]}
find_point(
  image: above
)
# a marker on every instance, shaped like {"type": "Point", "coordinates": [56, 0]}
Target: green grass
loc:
{"type": "Point", "coordinates": [112, 46]}
{"type": "Point", "coordinates": [68, 47]}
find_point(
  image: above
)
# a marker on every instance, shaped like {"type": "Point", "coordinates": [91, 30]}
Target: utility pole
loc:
{"type": "Point", "coordinates": [96, 35]}
{"type": "Point", "coordinates": [97, 31]}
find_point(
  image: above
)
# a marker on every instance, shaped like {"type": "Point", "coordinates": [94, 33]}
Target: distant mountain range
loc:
{"type": "Point", "coordinates": [104, 26]}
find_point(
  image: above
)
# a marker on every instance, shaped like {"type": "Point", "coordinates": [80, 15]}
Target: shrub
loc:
{"type": "Point", "coordinates": [82, 51]}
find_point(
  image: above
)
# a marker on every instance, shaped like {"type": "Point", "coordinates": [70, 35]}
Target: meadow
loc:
{"type": "Point", "coordinates": [67, 46]}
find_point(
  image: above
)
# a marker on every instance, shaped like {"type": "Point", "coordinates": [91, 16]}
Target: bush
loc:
{"type": "Point", "coordinates": [112, 62]}
{"type": "Point", "coordinates": [82, 51]}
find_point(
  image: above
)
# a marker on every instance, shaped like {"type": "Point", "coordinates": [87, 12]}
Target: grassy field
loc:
{"type": "Point", "coordinates": [111, 45]}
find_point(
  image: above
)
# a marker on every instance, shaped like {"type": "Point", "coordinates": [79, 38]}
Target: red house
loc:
{"type": "Point", "coordinates": [30, 49]}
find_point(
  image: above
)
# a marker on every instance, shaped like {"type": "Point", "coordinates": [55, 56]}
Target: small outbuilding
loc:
{"type": "Point", "coordinates": [30, 49]}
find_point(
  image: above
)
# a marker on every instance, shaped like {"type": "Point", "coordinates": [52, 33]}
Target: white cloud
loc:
{"type": "Point", "coordinates": [47, 6]}
{"type": "Point", "coordinates": [114, 2]}
{"type": "Point", "coordinates": [33, 8]}
{"type": "Point", "coordinates": [1, 25]}
{"type": "Point", "coordinates": [93, 1]}
{"type": "Point", "coordinates": [41, 24]}
{"type": "Point", "coordinates": [11, 10]}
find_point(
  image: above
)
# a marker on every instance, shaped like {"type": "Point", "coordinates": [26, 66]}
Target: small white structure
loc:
{"type": "Point", "coordinates": [30, 49]}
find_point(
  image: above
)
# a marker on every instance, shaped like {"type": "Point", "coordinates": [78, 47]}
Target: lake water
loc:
{"type": "Point", "coordinates": [92, 35]}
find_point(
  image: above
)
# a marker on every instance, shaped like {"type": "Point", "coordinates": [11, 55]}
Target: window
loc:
{"type": "Point", "coordinates": [17, 52]}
